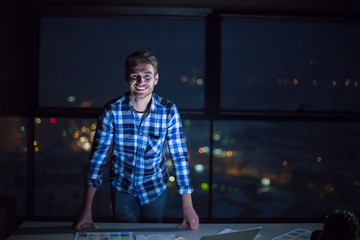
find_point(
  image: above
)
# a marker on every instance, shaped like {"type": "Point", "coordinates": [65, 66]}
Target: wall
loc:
{"type": "Point", "coordinates": [16, 61]}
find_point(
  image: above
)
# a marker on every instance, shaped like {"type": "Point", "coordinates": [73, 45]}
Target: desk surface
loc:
{"type": "Point", "coordinates": [63, 230]}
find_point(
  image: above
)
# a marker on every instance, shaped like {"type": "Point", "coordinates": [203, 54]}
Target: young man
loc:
{"type": "Point", "coordinates": [139, 126]}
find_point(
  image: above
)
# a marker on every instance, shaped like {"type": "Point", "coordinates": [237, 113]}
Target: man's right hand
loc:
{"type": "Point", "coordinates": [85, 217]}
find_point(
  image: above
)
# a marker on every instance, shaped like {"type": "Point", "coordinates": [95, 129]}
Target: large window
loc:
{"type": "Point", "coordinates": [278, 139]}
{"type": "Point", "coordinates": [292, 168]}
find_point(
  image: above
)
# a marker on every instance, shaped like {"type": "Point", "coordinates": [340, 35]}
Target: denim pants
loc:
{"type": "Point", "coordinates": [127, 208]}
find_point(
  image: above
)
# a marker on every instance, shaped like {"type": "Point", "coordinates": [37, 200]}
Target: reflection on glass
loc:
{"type": "Point", "coordinates": [285, 169]}
{"type": "Point", "coordinates": [290, 65]}
{"type": "Point", "coordinates": [62, 147]}
{"type": "Point", "coordinates": [13, 164]}
{"type": "Point", "coordinates": [82, 59]}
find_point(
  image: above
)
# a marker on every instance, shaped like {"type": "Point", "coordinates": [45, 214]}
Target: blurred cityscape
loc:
{"type": "Point", "coordinates": [260, 169]}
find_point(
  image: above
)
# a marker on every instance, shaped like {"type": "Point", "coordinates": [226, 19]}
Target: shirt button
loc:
{"type": "Point", "coordinates": [141, 134]}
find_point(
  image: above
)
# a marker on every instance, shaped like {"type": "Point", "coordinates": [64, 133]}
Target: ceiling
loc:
{"type": "Point", "coordinates": [344, 8]}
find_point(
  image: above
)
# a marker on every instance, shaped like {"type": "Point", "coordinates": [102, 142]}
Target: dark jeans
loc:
{"type": "Point", "coordinates": [127, 208]}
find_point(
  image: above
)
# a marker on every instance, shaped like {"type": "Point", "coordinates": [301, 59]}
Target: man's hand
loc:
{"type": "Point", "coordinates": [84, 220]}
{"type": "Point", "coordinates": [85, 217]}
{"type": "Point", "coordinates": [190, 216]}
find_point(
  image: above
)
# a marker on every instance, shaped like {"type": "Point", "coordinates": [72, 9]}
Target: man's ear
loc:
{"type": "Point", "coordinates": [156, 78]}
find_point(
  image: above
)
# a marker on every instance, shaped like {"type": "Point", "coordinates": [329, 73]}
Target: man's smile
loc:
{"type": "Point", "coordinates": [140, 88]}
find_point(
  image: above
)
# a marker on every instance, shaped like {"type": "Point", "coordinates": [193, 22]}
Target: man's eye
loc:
{"type": "Point", "coordinates": [147, 76]}
{"type": "Point", "coordinates": [133, 76]}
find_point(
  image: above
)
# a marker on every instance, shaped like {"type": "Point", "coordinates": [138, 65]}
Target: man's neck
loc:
{"type": "Point", "coordinates": [140, 104]}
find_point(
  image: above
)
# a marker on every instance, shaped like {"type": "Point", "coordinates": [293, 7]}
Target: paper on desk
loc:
{"type": "Point", "coordinates": [155, 237]}
{"type": "Point", "coordinates": [228, 230]}
{"type": "Point", "coordinates": [103, 236]}
{"type": "Point", "coordinates": [295, 234]}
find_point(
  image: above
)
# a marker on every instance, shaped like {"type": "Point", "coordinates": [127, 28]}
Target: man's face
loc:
{"type": "Point", "coordinates": [141, 80]}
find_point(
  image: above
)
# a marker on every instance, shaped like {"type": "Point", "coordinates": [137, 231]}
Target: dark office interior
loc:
{"type": "Point", "coordinates": [268, 93]}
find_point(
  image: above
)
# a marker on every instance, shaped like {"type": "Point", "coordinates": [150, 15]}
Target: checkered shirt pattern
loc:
{"type": "Point", "coordinates": [138, 163]}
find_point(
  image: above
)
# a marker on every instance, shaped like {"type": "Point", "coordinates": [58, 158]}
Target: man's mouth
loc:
{"type": "Point", "coordinates": [140, 88]}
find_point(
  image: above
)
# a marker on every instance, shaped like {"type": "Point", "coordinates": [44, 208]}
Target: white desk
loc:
{"type": "Point", "coordinates": [63, 230]}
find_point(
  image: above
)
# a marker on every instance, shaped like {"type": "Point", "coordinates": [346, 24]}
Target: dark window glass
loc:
{"type": "Point", "coordinates": [13, 164]}
{"type": "Point", "coordinates": [285, 169]}
{"type": "Point", "coordinates": [82, 59]}
{"type": "Point", "coordinates": [290, 65]}
{"type": "Point", "coordinates": [62, 148]}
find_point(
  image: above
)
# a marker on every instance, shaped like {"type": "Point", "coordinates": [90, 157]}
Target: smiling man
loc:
{"type": "Point", "coordinates": [139, 126]}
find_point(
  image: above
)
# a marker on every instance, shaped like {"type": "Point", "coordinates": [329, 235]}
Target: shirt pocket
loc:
{"type": "Point", "coordinates": [154, 145]}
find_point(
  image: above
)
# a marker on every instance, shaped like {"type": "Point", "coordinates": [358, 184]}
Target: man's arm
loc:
{"type": "Point", "coordinates": [190, 215]}
{"type": "Point", "coordinates": [179, 157]}
{"type": "Point", "coordinates": [85, 216]}
{"type": "Point", "coordinates": [102, 141]}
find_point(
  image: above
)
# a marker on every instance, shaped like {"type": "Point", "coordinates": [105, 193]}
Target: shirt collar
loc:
{"type": "Point", "coordinates": [154, 102]}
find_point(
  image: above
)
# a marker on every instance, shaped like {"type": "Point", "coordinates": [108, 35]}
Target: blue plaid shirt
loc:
{"type": "Point", "coordinates": [138, 164]}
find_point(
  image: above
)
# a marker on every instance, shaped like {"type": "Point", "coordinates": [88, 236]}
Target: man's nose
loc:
{"type": "Point", "coordinates": [139, 79]}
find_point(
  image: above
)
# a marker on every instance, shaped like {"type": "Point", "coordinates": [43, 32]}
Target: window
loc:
{"type": "Point", "coordinates": [13, 164]}
{"type": "Point", "coordinates": [62, 147]}
{"type": "Point", "coordinates": [247, 160]}
{"type": "Point", "coordinates": [82, 59]}
{"type": "Point", "coordinates": [290, 65]}
{"type": "Point", "coordinates": [293, 170]}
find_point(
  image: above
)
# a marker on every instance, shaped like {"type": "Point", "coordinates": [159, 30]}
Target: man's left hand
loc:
{"type": "Point", "coordinates": [190, 216]}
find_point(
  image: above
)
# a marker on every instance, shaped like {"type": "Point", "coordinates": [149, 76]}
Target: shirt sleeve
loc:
{"type": "Point", "coordinates": [102, 141]}
{"type": "Point", "coordinates": [178, 152]}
